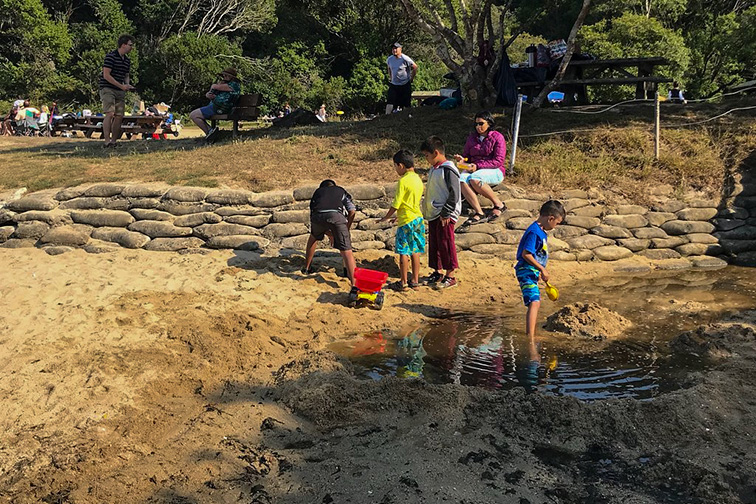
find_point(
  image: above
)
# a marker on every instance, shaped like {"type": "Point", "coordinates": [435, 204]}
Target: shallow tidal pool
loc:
{"type": "Point", "coordinates": [490, 349]}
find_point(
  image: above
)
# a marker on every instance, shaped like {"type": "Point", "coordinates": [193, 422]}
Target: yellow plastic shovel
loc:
{"type": "Point", "coordinates": [552, 292]}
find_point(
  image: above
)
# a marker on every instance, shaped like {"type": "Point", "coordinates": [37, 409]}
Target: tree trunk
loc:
{"type": "Point", "coordinates": [567, 57]}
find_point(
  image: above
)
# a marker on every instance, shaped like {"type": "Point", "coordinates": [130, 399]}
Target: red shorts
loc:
{"type": "Point", "coordinates": [442, 251]}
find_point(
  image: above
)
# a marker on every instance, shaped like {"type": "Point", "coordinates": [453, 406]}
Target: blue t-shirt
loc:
{"type": "Point", "coordinates": [534, 241]}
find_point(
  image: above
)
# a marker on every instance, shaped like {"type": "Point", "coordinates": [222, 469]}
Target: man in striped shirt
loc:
{"type": "Point", "coordinates": [114, 82]}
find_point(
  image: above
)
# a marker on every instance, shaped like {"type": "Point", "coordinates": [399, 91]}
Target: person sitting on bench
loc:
{"type": "Point", "coordinates": [223, 96]}
{"type": "Point", "coordinates": [675, 94]}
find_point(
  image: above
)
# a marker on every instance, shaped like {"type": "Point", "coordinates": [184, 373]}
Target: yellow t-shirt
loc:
{"type": "Point", "coordinates": [409, 192]}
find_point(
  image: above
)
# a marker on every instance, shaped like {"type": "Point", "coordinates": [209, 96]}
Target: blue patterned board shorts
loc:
{"type": "Point", "coordinates": [528, 279]}
{"type": "Point", "coordinates": [410, 238]}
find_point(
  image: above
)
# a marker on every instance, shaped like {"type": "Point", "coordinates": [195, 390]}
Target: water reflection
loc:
{"type": "Point", "coordinates": [491, 351]}
{"type": "Point", "coordinates": [482, 351]}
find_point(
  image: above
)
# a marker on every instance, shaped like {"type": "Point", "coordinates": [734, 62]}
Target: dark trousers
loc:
{"type": "Point", "coordinates": [442, 251]}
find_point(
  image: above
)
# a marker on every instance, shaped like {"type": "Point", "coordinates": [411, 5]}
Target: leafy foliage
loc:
{"type": "Point", "coordinates": [634, 36]}
{"type": "Point", "coordinates": [309, 52]}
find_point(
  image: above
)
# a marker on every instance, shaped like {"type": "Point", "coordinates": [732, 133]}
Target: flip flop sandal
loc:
{"type": "Point", "coordinates": [398, 286]}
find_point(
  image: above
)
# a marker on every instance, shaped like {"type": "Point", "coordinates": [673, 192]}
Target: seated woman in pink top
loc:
{"type": "Point", "coordinates": [482, 165]}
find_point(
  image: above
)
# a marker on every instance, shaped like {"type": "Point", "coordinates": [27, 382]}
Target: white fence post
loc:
{"type": "Point", "coordinates": [516, 131]}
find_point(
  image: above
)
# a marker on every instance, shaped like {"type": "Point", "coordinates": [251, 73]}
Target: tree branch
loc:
{"type": "Point", "coordinates": [567, 57]}
{"type": "Point", "coordinates": [452, 15]}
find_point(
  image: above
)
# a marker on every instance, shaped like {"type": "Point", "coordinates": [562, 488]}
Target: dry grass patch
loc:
{"type": "Point", "coordinates": [617, 152]}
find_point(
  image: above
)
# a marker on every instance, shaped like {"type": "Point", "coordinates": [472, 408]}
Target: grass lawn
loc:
{"type": "Point", "coordinates": [616, 151]}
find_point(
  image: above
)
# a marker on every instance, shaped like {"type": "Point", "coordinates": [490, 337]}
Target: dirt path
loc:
{"type": "Point", "coordinates": [147, 377]}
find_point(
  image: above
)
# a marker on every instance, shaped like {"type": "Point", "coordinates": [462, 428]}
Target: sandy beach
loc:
{"type": "Point", "coordinates": [162, 377]}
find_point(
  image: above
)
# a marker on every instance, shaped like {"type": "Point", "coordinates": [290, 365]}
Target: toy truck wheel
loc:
{"type": "Point", "coordinates": [378, 304]}
{"type": "Point", "coordinates": [352, 299]}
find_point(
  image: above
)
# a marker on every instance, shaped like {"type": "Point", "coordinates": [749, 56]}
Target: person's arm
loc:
{"type": "Point", "coordinates": [391, 211]}
{"type": "Point", "coordinates": [110, 79]}
{"type": "Point", "coordinates": [413, 72]}
{"type": "Point", "coordinates": [388, 70]}
{"type": "Point", "coordinates": [451, 179]}
{"type": "Point", "coordinates": [223, 87]}
{"type": "Point", "coordinates": [529, 258]}
{"type": "Point", "coordinates": [350, 207]}
{"type": "Point", "coordinates": [682, 98]}
{"type": "Point", "coordinates": [497, 157]}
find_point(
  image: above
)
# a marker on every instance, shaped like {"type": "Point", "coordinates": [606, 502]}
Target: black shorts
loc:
{"type": "Point", "coordinates": [400, 96]}
{"type": "Point", "coordinates": [334, 222]}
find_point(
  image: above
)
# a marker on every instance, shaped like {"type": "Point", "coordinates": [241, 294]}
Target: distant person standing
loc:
{"type": "Point", "coordinates": [401, 72]}
{"type": "Point", "coordinates": [114, 82]}
{"type": "Point", "coordinates": [675, 94]}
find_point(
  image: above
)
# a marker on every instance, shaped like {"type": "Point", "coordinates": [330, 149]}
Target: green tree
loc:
{"type": "Point", "coordinates": [634, 36]}
{"type": "Point", "coordinates": [368, 84]}
{"type": "Point", "coordinates": [94, 40]}
{"type": "Point", "coordinates": [35, 49]}
{"type": "Point", "coordinates": [183, 67]}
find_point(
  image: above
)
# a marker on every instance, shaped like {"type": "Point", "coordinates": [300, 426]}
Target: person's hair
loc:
{"type": "Point", "coordinates": [553, 208]}
{"type": "Point", "coordinates": [675, 84]}
{"type": "Point", "coordinates": [124, 39]}
{"type": "Point", "coordinates": [327, 183]}
{"type": "Point", "coordinates": [26, 103]}
{"type": "Point", "coordinates": [486, 116]}
{"type": "Point", "coordinates": [404, 157]}
{"type": "Point", "coordinates": [432, 144]}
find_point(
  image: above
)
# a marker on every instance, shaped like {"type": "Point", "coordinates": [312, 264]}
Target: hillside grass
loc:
{"type": "Point", "coordinates": [611, 150]}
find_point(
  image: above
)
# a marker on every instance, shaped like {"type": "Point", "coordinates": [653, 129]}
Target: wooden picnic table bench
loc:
{"type": "Point", "coordinates": [131, 125]}
{"type": "Point", "coordinates": [246, 109]}
{"type": "Point", "coordinates": [422, 95]}
{"type": "Point", "coordinates": [583, 73]}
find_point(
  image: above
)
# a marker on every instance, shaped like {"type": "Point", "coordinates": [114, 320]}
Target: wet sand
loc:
{"type": "Point", "coordinates": [148, 377]}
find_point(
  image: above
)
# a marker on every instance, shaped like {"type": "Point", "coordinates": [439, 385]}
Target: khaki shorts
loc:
{"type": "Point", "coordinates": [113, 100]}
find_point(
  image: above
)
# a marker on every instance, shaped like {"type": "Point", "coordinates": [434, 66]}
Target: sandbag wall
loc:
{"type": "Point", "coordinates": [160, 218]}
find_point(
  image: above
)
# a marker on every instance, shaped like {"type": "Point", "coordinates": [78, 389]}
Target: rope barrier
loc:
{"type": "Point", "coordinates": [593, 112]}
{"type": "Point", "coordinates": [683, 125]}
{"type": "Point", "coordinates": [679, 125]}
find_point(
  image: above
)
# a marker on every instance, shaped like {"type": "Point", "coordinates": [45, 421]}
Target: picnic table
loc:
{"type": "Point", "coordinates": [583, 73]}
{"type": "Point", "coordinates": [131, 125]}
{"type": "Point", "coordinates": [419, 96]}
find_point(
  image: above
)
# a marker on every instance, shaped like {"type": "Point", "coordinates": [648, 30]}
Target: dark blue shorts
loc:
{"type": "Point", "coordinates": [208, 110]}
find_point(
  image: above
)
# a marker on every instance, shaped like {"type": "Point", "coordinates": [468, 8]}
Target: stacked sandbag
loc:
{"type": "Point", "coordinates": [736, 220]}
{"type": "Point", "coordinates": [680, 232]}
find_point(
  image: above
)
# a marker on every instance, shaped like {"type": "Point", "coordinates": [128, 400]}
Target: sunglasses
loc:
{"type": "Point", "coordinates": [480, 124]}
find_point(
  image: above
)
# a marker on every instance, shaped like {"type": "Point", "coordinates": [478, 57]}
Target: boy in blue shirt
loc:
{"type": "Point", "coordinates": [532, 255]}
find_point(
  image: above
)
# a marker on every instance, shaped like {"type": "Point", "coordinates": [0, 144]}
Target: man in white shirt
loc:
{"type": "Point", "coordinates": [401, 72]}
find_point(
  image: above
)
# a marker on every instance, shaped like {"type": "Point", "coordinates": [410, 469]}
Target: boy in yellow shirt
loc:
{"type": "Point", "coordinates": [410, 233]}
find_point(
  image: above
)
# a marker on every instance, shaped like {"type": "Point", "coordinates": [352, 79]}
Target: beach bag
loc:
{"type": "Point", "coordinates": [557, 48]}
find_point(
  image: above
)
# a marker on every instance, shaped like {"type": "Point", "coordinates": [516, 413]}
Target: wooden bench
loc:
{"type": "Point", "coordinates": [246, 109]}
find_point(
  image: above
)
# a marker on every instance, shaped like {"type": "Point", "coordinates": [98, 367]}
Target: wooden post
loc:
{"type": "Point", "coordinates": [516, 131]}
{"type": "Point", "coordinates": [656, 125]}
